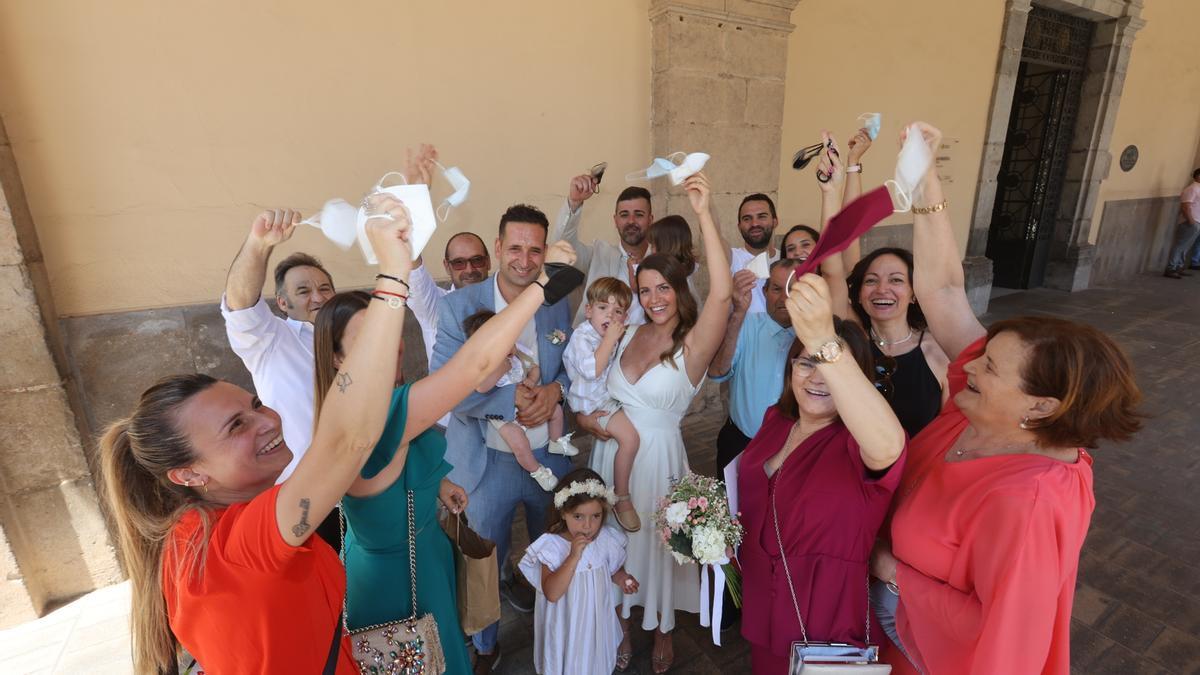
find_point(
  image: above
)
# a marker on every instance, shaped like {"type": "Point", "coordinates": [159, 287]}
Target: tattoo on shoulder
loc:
{"type": "Point", "coordinates": [300, 528]}
{"type": "Point", "coordinates": [343, 381]}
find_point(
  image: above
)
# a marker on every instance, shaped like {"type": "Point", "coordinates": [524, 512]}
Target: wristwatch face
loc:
{"type": "Point", "coordinates": [830, 351]}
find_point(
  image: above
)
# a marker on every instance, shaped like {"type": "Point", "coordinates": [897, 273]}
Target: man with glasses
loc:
{"type": "Point", "coordinates": [467, 262]}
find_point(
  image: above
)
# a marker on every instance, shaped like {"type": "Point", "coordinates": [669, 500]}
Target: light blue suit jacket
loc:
{"type": "Point", "coordinates": [465, 448]}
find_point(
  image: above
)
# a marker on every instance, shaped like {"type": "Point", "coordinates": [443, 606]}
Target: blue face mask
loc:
{"type": "Point", "coordinates": [871, 122]}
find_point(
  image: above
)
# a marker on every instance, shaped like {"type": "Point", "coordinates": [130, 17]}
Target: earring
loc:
{"type": "Point", "coordinates": [205, 486]}
{"type": "Point", "coordinates": [1024, 423]}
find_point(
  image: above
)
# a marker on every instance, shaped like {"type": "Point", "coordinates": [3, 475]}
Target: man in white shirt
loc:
{"type": "Point", "coordinates": [1188, 230]}
{"type": "Point", "coordinates": [277, 352]}
{"type": "Point", "coordinates": [631, 219]}
{"type": "Point", "coordinates": [756, 223]}
{"type": "Point", "coordinates": [467, 262]}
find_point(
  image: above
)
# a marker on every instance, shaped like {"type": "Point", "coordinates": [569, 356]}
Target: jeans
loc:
{"type": "Point", "coordinates": [1185, 236]}
{"type": "Point", "coordinates": [885, 603]}
{"type": "Point", "coordinates": [490, 509]}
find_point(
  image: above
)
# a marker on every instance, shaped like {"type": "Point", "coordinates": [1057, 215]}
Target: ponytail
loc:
{"type": "Point", "coordinates": [135, 455]}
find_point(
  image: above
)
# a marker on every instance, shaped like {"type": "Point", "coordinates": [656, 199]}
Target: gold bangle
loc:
{"type": "Point", "coordinates": [925, 210]}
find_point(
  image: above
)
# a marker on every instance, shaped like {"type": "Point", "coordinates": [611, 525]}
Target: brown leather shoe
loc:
{"type": "Point", "coordinates": [486, 663]}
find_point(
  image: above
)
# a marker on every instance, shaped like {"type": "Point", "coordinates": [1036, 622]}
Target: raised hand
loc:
{"type": "Point", "coordinates": [418, 166]}
{"type": "Point", "coordinates": [698, 192]}
{"type": "Point", "coordinates": [858, 145]}
{"type": "Point", "coordinates": [932, 137]}
{"type": "Point", "coordinates": [274, 226]}
{"type": "Point", "coordinates": [561, 252]}
{"type": "Point", "coordinates": [811, 310]}
{"type": "Point", "coordinates": [831, 166]}
{"type": "Point", "coordinates": [388, 229]}
{"type": "Point", "coordinates": [581, 189]}
{"type": "Point", "coordinates": [743, 290]}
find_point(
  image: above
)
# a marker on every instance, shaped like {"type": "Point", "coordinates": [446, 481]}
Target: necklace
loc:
{"type": "Point", "coordinates": [886, 343]}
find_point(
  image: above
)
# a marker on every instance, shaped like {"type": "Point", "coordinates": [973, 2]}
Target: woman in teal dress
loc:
{"type": "Point", "coordinates": [410, 456]}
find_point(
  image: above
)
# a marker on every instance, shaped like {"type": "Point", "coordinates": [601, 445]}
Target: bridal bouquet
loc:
{"type": "Point", "coordinates": [695, 523]}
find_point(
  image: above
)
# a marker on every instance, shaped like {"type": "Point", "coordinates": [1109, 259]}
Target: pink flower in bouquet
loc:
{"type": "Point", "coordinates": [666, 534]}
{"type": "Point", "coordinates": [692, 503]}
{"type": "Point", "coordinates": [702, 503]}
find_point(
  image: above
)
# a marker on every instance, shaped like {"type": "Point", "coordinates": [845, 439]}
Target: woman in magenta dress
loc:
{"type": "Point", "coordinates": [832, 450]}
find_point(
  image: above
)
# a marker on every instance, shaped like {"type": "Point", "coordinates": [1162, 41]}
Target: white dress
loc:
{"type": "Point", "coordinates": [655, 406]}
{"type": "Point", "coordinates": [579, 633]}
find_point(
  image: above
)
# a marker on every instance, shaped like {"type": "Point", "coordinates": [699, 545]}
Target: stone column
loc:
{"type": "Point", "coordinates": [1070, 264]}
{"type": "Point", "coordinates": [54, 542]}
{"type": "Point", "coordinates": [719, 70]}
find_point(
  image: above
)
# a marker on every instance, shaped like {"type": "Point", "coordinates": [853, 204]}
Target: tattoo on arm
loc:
{"type": "Point", "coordinates": [301, 527]}
{"type": "Point", "coordinates": [343, 381]}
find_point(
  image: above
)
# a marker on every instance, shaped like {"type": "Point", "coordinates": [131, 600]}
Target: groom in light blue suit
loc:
{"type": "Point", "coordinates": [483, 464]}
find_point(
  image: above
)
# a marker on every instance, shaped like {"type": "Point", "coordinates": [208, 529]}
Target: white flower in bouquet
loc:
{"type": "Point", "coordinates": [677, 514]}
{"type": "Point", "coordinates": [680, 558]}
{"type": "Point", "coordinates": [708, 545]}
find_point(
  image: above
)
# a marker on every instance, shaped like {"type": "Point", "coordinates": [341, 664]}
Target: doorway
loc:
{"type": "Point", "coordinates": [1041, 125]}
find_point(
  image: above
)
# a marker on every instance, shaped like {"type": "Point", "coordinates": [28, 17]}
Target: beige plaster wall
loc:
{"type": "Point", "coordinates": [934, 62]}
{"type": "Point", "coordinates": [1160, 107]}
{"type": "Point", "coordinates": [150, 133]}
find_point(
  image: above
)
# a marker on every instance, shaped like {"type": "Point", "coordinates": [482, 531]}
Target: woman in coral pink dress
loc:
{"type": "Point", "coordinates": [997, 495]}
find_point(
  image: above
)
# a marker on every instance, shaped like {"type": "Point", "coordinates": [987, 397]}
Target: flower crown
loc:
{"type": "Point", "coordinates": [590, 487]}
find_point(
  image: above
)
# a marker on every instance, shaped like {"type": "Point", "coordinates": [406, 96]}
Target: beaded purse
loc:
{"type": "Point", "coordinates": [409, 646]}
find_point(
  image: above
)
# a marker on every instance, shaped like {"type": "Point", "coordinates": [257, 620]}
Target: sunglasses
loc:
{"type": "Point", "coordinates": [804, 156]}
{"type": "Point", "coordinates": [597, 173]}
{"type": "Point", "coordinates": [476, 261]}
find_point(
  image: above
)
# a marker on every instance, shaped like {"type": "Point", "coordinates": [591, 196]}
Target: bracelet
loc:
{"type": "Point", "coordinates": [540, 284]}
{"type": "Point", "coordinates": [854, 168]}
{"type": "Point", "coordinates": [392, 278]}
{"type": "Point", "coordinates": [925, 210]}
{"type": "Point", "coordinates": [396, 301]}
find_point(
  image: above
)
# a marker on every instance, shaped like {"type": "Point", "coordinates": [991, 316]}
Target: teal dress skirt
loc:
{"type": "Point", "coordinates": [376, 549]}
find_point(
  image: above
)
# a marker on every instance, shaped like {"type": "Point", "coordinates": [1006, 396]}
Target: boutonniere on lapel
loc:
{"type": "Point", "coordinates": [556, 336]}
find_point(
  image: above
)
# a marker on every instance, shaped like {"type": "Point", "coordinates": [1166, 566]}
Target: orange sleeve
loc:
{"type": "Point", "coordinates": [955, 612]}
{"type": "Point", "coordinates": [248, 535]}
{"type": "Point", "coordinates": [1017, 567]}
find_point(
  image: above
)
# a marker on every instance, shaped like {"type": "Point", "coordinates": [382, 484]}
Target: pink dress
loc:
{"type": "Point", "coordinates": [989, 550]}
{"type": "Point", "coordinates": [830, 510]}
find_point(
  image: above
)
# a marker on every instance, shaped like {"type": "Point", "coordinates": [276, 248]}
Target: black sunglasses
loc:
{"type": "Point", "coordinates": [885, 367]}
{"type": "Point", "coordinates": [476, 261]}
{"type": "Point", "coordinates": [804, 156]}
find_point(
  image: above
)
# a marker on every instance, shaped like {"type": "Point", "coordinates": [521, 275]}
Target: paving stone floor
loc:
{"type": "Point", "coordinates": [1137, 605]}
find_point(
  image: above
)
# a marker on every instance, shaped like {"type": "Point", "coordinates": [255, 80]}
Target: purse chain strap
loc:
{"type": "Point", "coordinates": [412, 562]}
{"type": "Point", "coordinates": [787, 573]}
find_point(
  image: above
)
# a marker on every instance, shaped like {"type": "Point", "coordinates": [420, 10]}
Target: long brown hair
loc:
{"type": "Point", "coordinates": [135, 455]}
{"type": "Point", "coordinates": [672, 235]}
{"type": "Point", "coordinates": [328, 330]}
{"type": "Point", "coordinates": [674, 272]}
{"type": "Point", "coordinates": [1086, 371]}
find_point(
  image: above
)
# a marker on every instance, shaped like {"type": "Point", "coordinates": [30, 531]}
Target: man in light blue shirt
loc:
{"type": "Point", "coordinates": [752, 357]}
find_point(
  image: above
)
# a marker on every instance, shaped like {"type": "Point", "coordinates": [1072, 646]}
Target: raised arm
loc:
{"type": "Point", "coordinates": [356, 408]}
{"type": "Point", "coordinates": [248, 271]}
{"type": "Point", "coordinates": [833, 268]}
{"type": "Point", "coordinates": [706, 336]}
{"type": "Point", "coordinates": [938, 279]}
{"type": "Point", "coordinates": [863, 410]}
{"type": "Point", "coordinates": [566, 226]}
{"type": "Point", "coordinates": [439, 393]}
{"type": "Point", "coordinates": [743, 287]}
{"type": "Point", "coordinates": [858, 145]}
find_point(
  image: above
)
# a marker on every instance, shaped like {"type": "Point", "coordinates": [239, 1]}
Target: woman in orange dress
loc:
{"type": "Point", "coordinates": [997, 495]}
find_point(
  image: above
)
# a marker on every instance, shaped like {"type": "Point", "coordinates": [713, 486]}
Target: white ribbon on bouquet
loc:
{"type": "Point", "coordinates": [718, 599]}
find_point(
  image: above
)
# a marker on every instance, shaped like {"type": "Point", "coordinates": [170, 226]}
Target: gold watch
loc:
{"type": "Point", "coordinates": [829, 352]}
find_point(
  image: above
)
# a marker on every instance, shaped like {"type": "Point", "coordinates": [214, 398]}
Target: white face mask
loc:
{"type": "Point", "coordinates": [420, 209]}
{"type": "Point", "coordinates": [760, 265]}
{"type": "Point", "coordinates": [679, 166]}
{"type": "Point", "coordinates": [336, 221]}
{"type": "Point", "coordinates": [461, 186]}
{"type": "Point", "coordinates": [871, 122]}
{"type": "Point", "coordinates": [911, 166]}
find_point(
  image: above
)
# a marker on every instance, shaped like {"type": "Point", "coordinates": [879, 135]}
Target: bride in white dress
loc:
{"type": "Point", "coordinates": [660, 367]}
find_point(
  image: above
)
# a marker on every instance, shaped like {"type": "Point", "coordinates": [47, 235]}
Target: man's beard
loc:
{"type": "Point", "coordinates": [632, 235]}
{"type": "Point", "coordinates": [469, 278]}
{"type": "Point", "coordinates": [761, 242]}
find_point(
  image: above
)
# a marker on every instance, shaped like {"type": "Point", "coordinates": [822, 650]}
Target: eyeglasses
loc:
{"type": "Point", "coordinates": [802, 365]}
{"type": "Point", "coordinates": [476, 261]}
{"type": "Point", "coordinates": [885, 366]}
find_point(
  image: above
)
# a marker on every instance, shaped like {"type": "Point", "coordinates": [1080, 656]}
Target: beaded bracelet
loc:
{"type": "Point", "coordinates": [925, 210]}
{"type": "Point", "coordinates": [395, 301]}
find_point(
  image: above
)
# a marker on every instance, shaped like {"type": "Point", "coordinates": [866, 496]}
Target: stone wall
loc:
{"type": "Point", "coordinates": [1135, 237]}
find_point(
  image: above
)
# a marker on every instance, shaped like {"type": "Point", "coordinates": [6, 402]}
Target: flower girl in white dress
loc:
{"type": "Point", "coordinates": [577, 567]}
